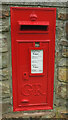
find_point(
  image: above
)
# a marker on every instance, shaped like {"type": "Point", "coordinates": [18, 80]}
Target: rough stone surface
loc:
{"type": "Point", "coordinates": [3, 42]}
{"type": "Point", "coordinates": [63, 62]}
{"type": "Point", "coordinates": [63, 16]}
{"type": "Point", "coordinates": [4, 14]}
{"type": "Point", "coordinates": [66, 30]}
{"type": "Point", "coordinates": [37, 2]}
{"type": "Point", "coordinates": [62, 90]}
{"type": "Point", "coordinates": [19, 115]}
{"type": "Point", "coordinates": [60, 33]}
{"type": "Point", "coordinates": [5, 60]}
{"type": "Point", "coordinates": [63, 74]}
{"type": "Point", "coordinates": [4, 25]}
{"type": "Point", "coordinates": [64, 42]}
{"type": "Point", "coordinates": [65, 51]}
{"type": "Point", "coordinates": [61, 101]}
{"type": "Point", "coordinates": [60, 111]}
{"type": "Point", "coordinates": [6, 107]}
{"type": "Point", "coordinates": [60, 23]}
{"type": "Point", "coordinates": [5, 89]}
{"type": "Point", "coordinates": [0, 60]}
{"type": "Point", "coordinates": [4, 74]}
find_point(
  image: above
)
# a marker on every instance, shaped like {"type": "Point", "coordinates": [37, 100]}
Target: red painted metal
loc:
{"type": "Point", "coordinates": [31, 26]}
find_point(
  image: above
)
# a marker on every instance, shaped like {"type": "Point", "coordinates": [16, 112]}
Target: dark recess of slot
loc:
{"type": "Point", "coordinates": [34, 27]}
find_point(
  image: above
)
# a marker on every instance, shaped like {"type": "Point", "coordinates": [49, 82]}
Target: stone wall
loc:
{"type": "Point", "coordinates": [61, 63]}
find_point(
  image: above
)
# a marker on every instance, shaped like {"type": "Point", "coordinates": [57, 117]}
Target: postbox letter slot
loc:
{"type": "Point", "coordinates": [34, 26]}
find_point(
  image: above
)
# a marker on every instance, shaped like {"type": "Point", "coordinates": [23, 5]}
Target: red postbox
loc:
{"type": "Point", "coordinates": [33, 52]}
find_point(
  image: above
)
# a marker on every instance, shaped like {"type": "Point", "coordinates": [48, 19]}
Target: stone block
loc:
{"type": "Point", "coordinates": [60, 33]}
{"type": "Point", "coordinates": [3, 42]}
{"type": "Point", "coordinates": [62, 13]}
{"type": "Point", "coordinates": [25, 116]}
{"type": "Point", "coordinates": [63, 62]}
{"type": "Point", "coordinates": [4, 14]}
{"type": "Point", "coordinates": [64, 42]}
{"type": "Point", "coordinates": [4, 25]}
{"type": "Point", "coordinates": [65, 51]}
{"type": "Point", "coordinates": [4, 74]}
{"type": "Point", "coordinates": [63, 16]}
{"type": "Point", "coordinates": [59, 111]}
{"type": "Point", "coordinates": [61, 102]}
{"type": "Point", "coordinates": [63, 74]}
{"type": "Point", "coordinates": [66, 28]}
{"type": "Point", "coordinates": [62, 90]}
{"type": "Point", "coordinates": [6, 107]}
{"type": "Point", "coordinates": [0, 60]}
{"type": "Point", "coordinates": [5, 58]}
{"type": "Point", "coordinates": [5, 89]}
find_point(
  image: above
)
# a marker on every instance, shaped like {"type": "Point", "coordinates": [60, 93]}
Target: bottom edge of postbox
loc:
{"type": "Point", "coordinates": [30, 109]}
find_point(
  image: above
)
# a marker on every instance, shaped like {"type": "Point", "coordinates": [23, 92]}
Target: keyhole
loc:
{"type": "Point", "coordinates": [25, 74]}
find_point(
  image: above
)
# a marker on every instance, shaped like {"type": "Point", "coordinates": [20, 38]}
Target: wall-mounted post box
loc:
{"type": "Point", "coordinates": [33, 52]}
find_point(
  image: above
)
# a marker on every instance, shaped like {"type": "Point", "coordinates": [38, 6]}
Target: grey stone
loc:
{"type": "Point", "coordinates": [4, 25]}
{"type": "Point", "coordinates": [4, 74]}
{"type": "Point", "coordinates": [60, 23]}
{"type": "Point", "coordinates": [5, 89]}
{"type": "Point", "coordinates": [63, 62]}
{"type": "Point", "coordinates": [63, 74]}
{"type": "Point", "coordinates": [60, 33]}
{"type": "Point", "coordinates": [65, 51]}
{"type": "Point", "coordinates": [62, 90]}
{"type": "Point", "coordinates": [3, 42]}
{"type": "Point", "coordinates": [6, 107]}
{"type": "Point", "coordinates": [5, 60]}
{"type": "Point", "coordinates": [0, 60]}
{"type": "Point", "coordinates": [37, 2]}
{"type": "Point", "coordinates": [61, 102]}
{"type": "Point", "coordinates": [64, 42]}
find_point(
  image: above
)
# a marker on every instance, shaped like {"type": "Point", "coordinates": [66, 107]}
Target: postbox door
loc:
{"type": "Point", "coordinates": [32, 73]}
{"type": "Point", "coordinates": [33, 52]}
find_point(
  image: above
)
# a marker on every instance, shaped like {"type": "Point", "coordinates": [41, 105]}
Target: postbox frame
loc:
{"type": "Point", "coordinates": [49, 104]}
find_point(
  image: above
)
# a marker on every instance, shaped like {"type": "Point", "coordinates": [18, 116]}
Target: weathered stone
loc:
{"type": "Point", "coordinates": [63, 74]}
{"type": "Point", "coordinates": [60, 110]}
{"type": "Point", "coordinates": [4, 74]}
{"type": "Point", "coordinates": [0, 110]}
{"type": "Point", "coordinates": [4, 25]}
{"type": "Point", "coordinates": [59, 23]}
{"type": "Point", "coordinates": [62, 90]}
{"type": "Point", "coordinates": [63, 62]}
{"type": "Point", "coordinates": [66, 30]}
{"type": "Point", "coordinates": [0, 60]}
{"type": "Point", "coordinates": [63, 16]}
{"type": "Point", "coordinates": [21, 115]}
{"type": "Point", "coordinates": [3, 42]}
{"type": "Point", "coordinates": [5, 60]}
{"type": "Point", "coordinates": [37, 3]}
{"type": "Point", "coordinates": [5, 89]}
{"type": "Point", "coordinates": [6, 107]}
{"type": "Point", "coordinates": [61, 102]}
{"type": "Point", "coordinates": [4, 14]}
{"type": "Point", "coordinates": [64, 115]}
{"type": "Point", "coordinates": [65, 51]}
{"type": "Point", "coordinates": [63, 42]}
{"type": "Point", "coordinates": [0, 74]}
{"type": "Point", "coordinates": [60, 33]}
